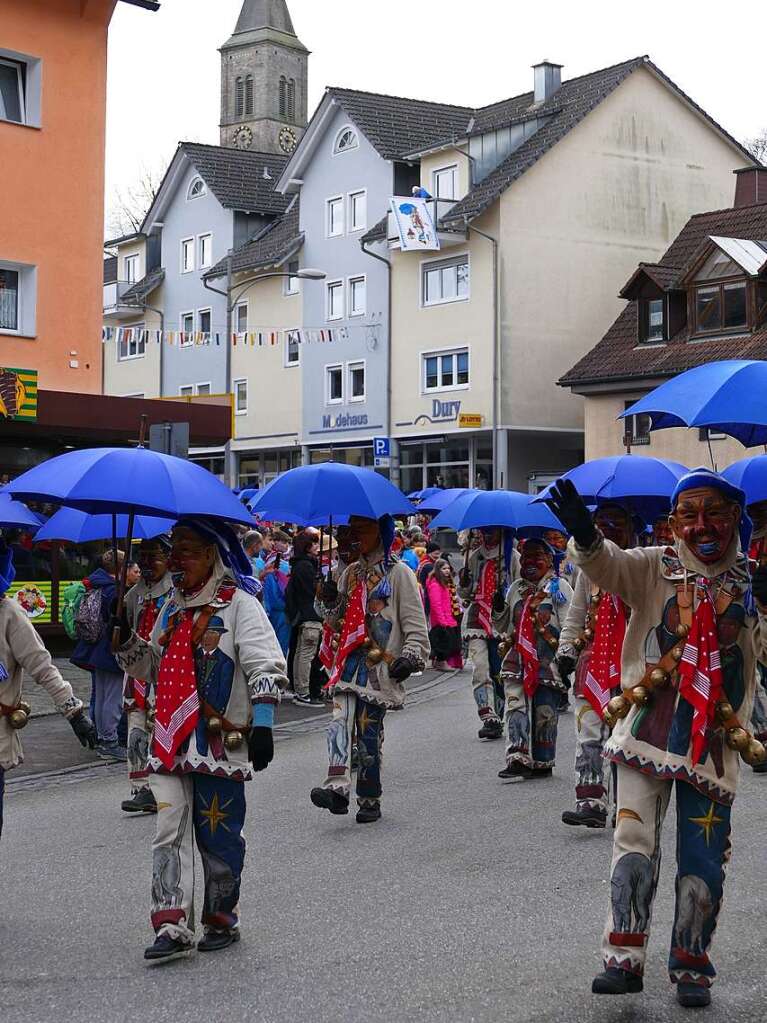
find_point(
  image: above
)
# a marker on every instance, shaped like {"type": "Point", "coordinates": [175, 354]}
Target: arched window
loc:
{"type": "Point", "coordinates": [196, 189]}
{"type": "Point", "coordinates": [239, 97]}
{"type": "Point", "coordinates": [283, 96]}
{"type": "Point", "coordinates": [346, 139]}
{"type": "Point", "coordinates": [291, 114]}
{"type": "Point", "coordinates": [249, 94]}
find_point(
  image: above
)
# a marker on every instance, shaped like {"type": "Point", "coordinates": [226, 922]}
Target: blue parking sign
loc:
{"type": "Point", "coordinates": [381, 447]}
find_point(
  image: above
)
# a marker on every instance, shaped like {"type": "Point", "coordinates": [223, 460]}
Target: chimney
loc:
{"type": "Point", "coordinates": [547, 79]}
{"type": "Point", "coordinates": [750, 186]}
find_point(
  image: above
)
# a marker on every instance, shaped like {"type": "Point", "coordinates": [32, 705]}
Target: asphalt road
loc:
{"type": "Point", "coordinates": [469, 901]}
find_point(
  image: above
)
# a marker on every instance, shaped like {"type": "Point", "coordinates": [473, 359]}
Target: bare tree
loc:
{"type": "Point", "coordinates": [758, 146]}
{"type": "Point", "coordinates": [131, 204]}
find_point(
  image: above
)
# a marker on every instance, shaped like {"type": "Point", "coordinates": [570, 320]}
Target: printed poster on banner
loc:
{"type": "Point", "coordinates": [414, 223]}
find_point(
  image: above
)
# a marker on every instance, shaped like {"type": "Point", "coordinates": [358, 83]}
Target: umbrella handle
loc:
{"type": "Point", "coordinates": [122, 582]}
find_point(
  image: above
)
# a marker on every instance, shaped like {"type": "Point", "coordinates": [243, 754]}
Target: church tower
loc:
{"type": "Point", "coordinates": [264, 78]}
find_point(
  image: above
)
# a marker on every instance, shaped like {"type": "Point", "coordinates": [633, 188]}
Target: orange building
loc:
{"type": "Point", "coordinates": [53, 58]}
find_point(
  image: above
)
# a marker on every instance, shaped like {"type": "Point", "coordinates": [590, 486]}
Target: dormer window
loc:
{"type": "Point", "coordinates": [721, 307]}
{"type": "Point", "coordinates": [652, 326]}
{"type": "Point", "coordinates": [196, 189]}
{"type": "Point", "coordinates": [346, 140]}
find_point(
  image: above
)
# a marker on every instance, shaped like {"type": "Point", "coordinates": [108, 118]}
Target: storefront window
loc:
{"type": "Point", "coordinates": [411, 479]}
{"type": "Point", "coordinates": [362, 457]}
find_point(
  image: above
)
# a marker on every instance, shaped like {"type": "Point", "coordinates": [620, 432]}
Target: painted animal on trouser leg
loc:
{"type": "Point", "coordinates": [219, 815]}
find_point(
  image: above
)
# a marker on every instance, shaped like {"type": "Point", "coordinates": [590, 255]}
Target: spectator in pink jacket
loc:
{"type": "Point", "coordinates": [444, 618]}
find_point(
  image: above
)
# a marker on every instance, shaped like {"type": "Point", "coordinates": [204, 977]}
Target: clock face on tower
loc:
{"type": "Point", "coordinates": [243, 137]}
{"type": "Point", "coordinates": [288, 140]}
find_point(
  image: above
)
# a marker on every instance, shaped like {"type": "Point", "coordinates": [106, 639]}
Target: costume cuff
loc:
{"type": "Point", "coordinates": [265, 689]}
{"type": "Point", "coordinates": [409, 654]}
{"type": "Point", "coordinates": [263, 715]}
{"type": "Point", "coordinates": [70, 707]}
{"type": "Point", "coordinates": [581, 555]}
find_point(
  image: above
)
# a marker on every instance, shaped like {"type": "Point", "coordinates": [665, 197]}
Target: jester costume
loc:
{"type": "Point", "coordinates": [692, 644]}
{"type": "Point", "coordinates": [377, 621]}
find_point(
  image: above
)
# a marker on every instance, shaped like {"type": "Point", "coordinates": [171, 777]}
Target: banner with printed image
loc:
{"type": "Point", "coordinates": [414, 224]}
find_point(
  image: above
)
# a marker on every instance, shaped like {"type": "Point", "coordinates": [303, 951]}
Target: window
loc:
{"type": "Point", "coordinates": [249, 95]}
{"type": "Point", "coordinates": [721, 307]}
{"type": "Point", "coordinates": [446, 370]}
{"type": "Point", "coordinates": [292, 284]}
{"type": "Point", "coordinates": [291, 113]}
{"type": "Point", "coordinates": [334, 385]}
{"type": "Point", "coordinates": [239, 97]}
{"type": "Point", "coordinates": [636, 429]}
{"type": "Point", "coordinates": [12, 91]}
{"type": "Point", "coordinates": [131, 269]}
{"type": "Point", "coordinates": [9, 299]}
{"type": "Point", "coordinates": [187, 255]}
{"type": "Point", "coordinates": [203, 321]}
{"type": "Point", "coordinates": [446, 281]}
{"type": "Point", "coordinates": [292, 348]}
{"type": "Point", "coordinates": [346, 139]}
{"type": "Point", "coordinates": [718, 265]}
{"type": "Point", "coordinates": [241, 318]}
{"type": "Point", "coordinates": [240, 397]}
{"type": "Point", "coordinates": [335, 217]}
{"type": "Point", "coordinates": [356, 381]}
{"type": "Point", "coordinates": [358, 214]}
{"type": "Point", "coordinates": [187, 329]}
{"type": "Point", "coordinates": [131, 343]}
{"type": "Point", "coordinates": [196, 189]}
{"type": "Point", "coordinates": [203, 388]}
{"type": "Point", "coordinates": [651, 320]}
{"type": "Point", "coordinates": [445, 183]}
{"type": "Point", "coordinates": [283, 97]}
{"type": "Point", "coordinates": [186, 390]}
{"type": "Point", "coordinates": [205, 248]}
{"type": "Point", "coordinates": [18, 299]}
{"type": "Point", "coordinates": [335, 301]}
{"type": "Point", "coordinates": [357, 296]}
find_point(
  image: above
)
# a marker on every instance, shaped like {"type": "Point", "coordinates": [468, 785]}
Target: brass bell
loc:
{"type": "Point", "coordinates": [503, 649]}
{"type": "Point", "coordinates": [579, 643]}
{"type": "Point", "coordinates": [588, 634]}
{"type": "Point", "coordinates": [738, 739]}
{"type": "Point", "coordinates": [658, 678]}
{"type": "Point", "coordinates": [150, 715]}
{"type": "Point", "coordinates": [682, 630]}
{"type": "Point", "coordinates": [553, 643]}
{"type": "Point", "coordinates": [677, 653]}
{"type": "Point", "coordinates": [18, 718]}
{"type": "Point", "coordinates": [595, 598]}
{"type": "Point", "coordinates": [616, 709]}
{"type": "Point", "coordinates": [375, 655]}
{"type": "Point", "coordinates": [233, 740]}
{"type": "Point", "coordinates": [755, 753]}
{"type": "Point", "coordinates": [640, 695]}
{"type": "Point", "coordinates": [215, 725]}
{"type": "Point", "coordinates": [724, 710]}
{"type": "Point", "coordinates": [23, 705]}
{"type": "Point", "coordinates": [367, 643]}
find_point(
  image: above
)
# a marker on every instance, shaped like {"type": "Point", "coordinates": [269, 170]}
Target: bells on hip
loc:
{"type": "Point", "coordinates": [19, 718]}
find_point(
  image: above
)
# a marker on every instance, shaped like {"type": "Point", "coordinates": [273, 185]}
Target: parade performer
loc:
{"type": "Point", "coordinates": [22, 652]}
{"type": "Point", "coordinates": [218, 670]}
{"type": "Point", "coordinates": [143, 603]}
{"type": "Point", "coordinates": [531, 617]}
{"type": "Point", "coordinates": [687, 675]}
{"type": "Point", "coordinates": [479, 580]}
{"type": "Point", "coordinates": [757, 512]}
{"type": "Point", "coordinates": [381, 640]}
{"type": "Point", "coordinates": [590, 649]}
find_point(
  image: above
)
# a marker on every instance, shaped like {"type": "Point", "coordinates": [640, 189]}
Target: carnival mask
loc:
{"type": "Point", "coordinates": [615, 524]}
{"type": "Point", "coordinates": [191, 560]}
{"type": "Point", "coordinates": [491, 537]}
{"type": "Point", "coordinates": [705, 521]}
{"type": "Point", "coordinates": [367, 534]}
{"type": "Point", "coordinates": [535, 562]}
{"type": "Point", "coordinates": [554, 538]}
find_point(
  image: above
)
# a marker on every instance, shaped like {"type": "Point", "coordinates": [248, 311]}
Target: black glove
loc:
{"type": "Point", "coordinates": [122, 621]}
{"type": "Point", "coordinates": [84, 729]}
{"type": "Point", "coordinates": [566, 666]}
{"type": "Point", "coordinates": [401, 668]}
{"type": "Point", "coordinates": [567, 504]}
{"type": "Point", "coordinates": [499, 602]}
{"type": "Point", "coordinates": [329, 592]}
{"type": "Point", "coordinates": [759, 584]}
{"type": "Point", "coordinates": [260, 747]}
{"type": "Point", "coordinates": [464, 578]}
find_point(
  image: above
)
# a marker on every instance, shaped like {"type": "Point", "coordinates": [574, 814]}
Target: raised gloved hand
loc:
{"type": "Point", "coordinates": [401, 668]}
{"type": "Point", "coordinates": [566, 666]}
{"type": "Point", "coordinates": [568, 506]}
{"type": "Point", "coordinates": [122, 621]}
{"type": "Point", "coordinates": [84, 729]}
{"type": "Point", "coordinates": [329, 592]}
{"type": "Point", "coordinates": [260, 747]}
{"type": "Point", "coordinates": [759, 584]}
{"type": "Point", "coordinates": [499, 602]}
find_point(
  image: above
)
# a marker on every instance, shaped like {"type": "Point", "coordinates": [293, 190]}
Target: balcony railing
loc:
{"type": "Point", "coordinates": [113, 298]}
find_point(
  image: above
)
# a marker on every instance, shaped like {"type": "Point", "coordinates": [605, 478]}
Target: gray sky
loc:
{"type": "Point", "coordinates": [164, 67]}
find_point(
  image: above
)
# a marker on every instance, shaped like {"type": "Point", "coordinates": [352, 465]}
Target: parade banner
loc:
{"type": "Point", "coordinates": [137, 338]}
{"type": "Point", "coordinates": [18, 394]}
{"type": "Point", "coordinates": [415, 224]}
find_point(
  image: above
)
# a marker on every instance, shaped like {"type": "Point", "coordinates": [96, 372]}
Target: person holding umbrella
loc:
{"type": "Point", "coordinates": [143, 603]}
{"type": "Point", "coordinates": [381, 639]}
{"type": "Point", "coordinates": [218, 672]}
{"type": "Point", "coordinates": [698, 625]}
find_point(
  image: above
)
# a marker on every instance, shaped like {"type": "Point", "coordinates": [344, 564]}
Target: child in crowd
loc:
{"type": "Point", "coordinates": [444, 617]}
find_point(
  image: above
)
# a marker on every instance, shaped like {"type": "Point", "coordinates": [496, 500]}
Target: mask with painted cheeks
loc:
{"type": "Point", "coordinates": [758, 515]}
{"type": "Point", "coordinates": [491, 537]}
{"type": "Point", "coordinates": [191, 560]}
{"type": "Point", "coordinates": [153, 562]}
{"type": "Point", "coordinates": [554, 538]}
{"type": "Point", "coordinates": [366, 532]}
{"type": "Point", "coordinates": [705, 521]}
{"type": "Point", "coordinates": [615, 524]}
{"type": "Point", "coordinates": [535, 561]}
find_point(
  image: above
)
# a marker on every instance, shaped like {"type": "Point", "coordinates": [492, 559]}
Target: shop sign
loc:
{"type": "Point", "coordinates": [18, 394]}
{"type": "Point", "coordinates": [343, 421]}
{"type": "Point", "coordinates": [470, 420]}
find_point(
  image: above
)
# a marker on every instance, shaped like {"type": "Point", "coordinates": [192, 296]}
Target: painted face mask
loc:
{"type": "Point", "coordinates": [535, 562]}
{"type": "Point", "coordinates": [705, 521]}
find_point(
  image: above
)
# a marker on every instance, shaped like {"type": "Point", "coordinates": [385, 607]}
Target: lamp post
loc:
{"type": "Point", "coordinates": [232, 295]}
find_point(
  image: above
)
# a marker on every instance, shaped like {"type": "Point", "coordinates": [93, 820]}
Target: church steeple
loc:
{"type": "Point", "coordinates": [264, 79]}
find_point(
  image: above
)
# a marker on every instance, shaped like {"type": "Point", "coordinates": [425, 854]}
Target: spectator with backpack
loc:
{"type": "Point", "coordinates": [94, 653]}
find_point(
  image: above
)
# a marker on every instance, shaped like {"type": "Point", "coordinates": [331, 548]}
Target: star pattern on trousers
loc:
{"type": "Point", "coordinates": [707, 823]}
{"type": "Point", "coordinates": [214, 814]}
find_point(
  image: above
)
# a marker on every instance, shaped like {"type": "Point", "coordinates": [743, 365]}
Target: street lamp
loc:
{"type": "Point", "coordinates": [308, 274]}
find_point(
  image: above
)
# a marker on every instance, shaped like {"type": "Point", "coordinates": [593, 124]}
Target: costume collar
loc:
{"type": "Point", "coordinates": [158, 589]}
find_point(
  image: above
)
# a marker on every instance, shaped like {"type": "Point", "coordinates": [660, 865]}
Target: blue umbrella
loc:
{"type": "Point", "coordinates": [15, 515]}
{"type": "Point", "coordinates": [421, 495]}
{"type": "Point", "coordinates": [727, 396]}
{"type": "Point", "coordinates": [125, 480]}
{"type": "Point", "coordinates": [80, 527]}
{"type": "Point", "coordinates": [505, 508]}
{"type": "Point", "coordinates": [443, 498]}
{"type": "Point", "coordinates": [750, 474]}
{"type": "Point", "coordinates": [645, 484]}
{"type": "Point", "coordinates": [315, 494]}
{"type": "Point", "coordinates": [247, 494]}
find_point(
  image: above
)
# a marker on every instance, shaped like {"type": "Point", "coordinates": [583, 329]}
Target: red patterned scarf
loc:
{"type": "Point", "coordinates": [144, 629]}
{"type": "Point", "coordinates": [700, 671]}
{"type": "Point", "coordinates": [527, 647]}
{"type": "Point", "coordinates": [178, 704]}
{"type": "Point", "coordinates": [604, 670]}
{"type": "Point", "coordinates": [354, 631]}
{"type": "Point", "coordinates": [326, 649]}
{"type": "Point", "coordinates": [485, 591]}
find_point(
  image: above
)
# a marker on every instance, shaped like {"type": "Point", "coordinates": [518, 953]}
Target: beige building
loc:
{"type": "Point", "coordinates": [704, 300]}
{"type": "Point", "coordinates": [552, 198]}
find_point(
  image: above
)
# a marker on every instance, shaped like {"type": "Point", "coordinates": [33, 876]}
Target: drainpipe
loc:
{"type": "Point", "coordinates": [394, 470]}
{"type": "Point", "coordinates": [229, 456]}
{"type": "Point", "coordinates": [500, 444]}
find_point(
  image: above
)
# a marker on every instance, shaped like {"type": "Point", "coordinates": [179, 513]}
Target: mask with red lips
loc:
{"type": "Point", "coordinates": [705, 521]}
